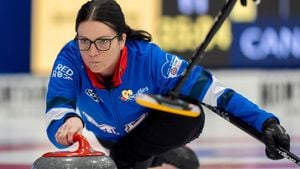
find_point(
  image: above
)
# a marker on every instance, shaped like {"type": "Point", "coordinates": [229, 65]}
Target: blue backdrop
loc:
{"type": "Point", "coordinates": [15, 36]}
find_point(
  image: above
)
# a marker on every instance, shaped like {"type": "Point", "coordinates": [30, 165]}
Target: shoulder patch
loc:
{"type": "Point", "coordinates": [170, 69]}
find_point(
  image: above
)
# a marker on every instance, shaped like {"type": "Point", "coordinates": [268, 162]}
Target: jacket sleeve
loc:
{"type": "Point", "coordinates": [202, 86]}
{"type": "Point", "coordinates": [244, 109]}
{"type": "Point", "coordinates": [63, 88]}
{"type": "Point", "coordinates": [206, 88]}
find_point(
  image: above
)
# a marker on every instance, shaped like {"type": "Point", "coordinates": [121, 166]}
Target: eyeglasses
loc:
{"type": "Point", "coordinates": [102, 44]}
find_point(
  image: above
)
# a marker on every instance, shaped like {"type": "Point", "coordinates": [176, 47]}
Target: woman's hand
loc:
{"type": "Point", "coordinates": [275, 135]}
{"type": "Point", "coordinates": [65, 133]}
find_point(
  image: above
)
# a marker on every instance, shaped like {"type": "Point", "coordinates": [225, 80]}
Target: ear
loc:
{"type": "Point", "coordinates": [122, 40]}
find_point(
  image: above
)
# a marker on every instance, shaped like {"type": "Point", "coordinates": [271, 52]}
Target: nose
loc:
{"type": "Point", "coordinates": [93, 50]}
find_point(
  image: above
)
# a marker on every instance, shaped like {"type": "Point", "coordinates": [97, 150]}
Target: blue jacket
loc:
{"type": "Point", "coordinates": [112, 113]}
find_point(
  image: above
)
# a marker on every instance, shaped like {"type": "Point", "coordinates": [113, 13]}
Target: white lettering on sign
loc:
{"type": "Point", "coordinates": [257, 43]}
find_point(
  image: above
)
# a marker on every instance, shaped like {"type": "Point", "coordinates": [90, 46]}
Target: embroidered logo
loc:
{"type": "Point", "coordinates": [93, 95]}
{"type": "Point", "coordinates": [62, 71]}
{"type": "Point", "coordinates": [127, 95]}
{"type": "Point", "coordinates": [171, 67]}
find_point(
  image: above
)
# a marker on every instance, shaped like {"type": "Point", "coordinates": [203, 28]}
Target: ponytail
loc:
{"type": "Point", "coordinates": [137, 34]}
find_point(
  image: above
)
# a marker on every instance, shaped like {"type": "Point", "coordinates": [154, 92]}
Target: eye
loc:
{"type": "Point", "coordinates": [83, 41]}
{"type": "Point", "coordinates": [102, 41]}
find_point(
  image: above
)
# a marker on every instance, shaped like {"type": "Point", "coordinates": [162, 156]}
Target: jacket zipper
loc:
{"type": "Point", "coordinates": [115, 110]}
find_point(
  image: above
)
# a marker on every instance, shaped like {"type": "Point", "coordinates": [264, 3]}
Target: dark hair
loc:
{"type": "Point", "coordinates": [110, 13]}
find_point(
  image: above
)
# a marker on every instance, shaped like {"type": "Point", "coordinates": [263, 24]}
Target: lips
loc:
{"type": "Point", "coordinates": [94, 63]}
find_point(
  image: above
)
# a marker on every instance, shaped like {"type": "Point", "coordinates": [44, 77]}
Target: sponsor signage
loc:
{"type": "Point", "coordinates": [266, 43]}
{"type": "Point", "coordinates": [264, 36]}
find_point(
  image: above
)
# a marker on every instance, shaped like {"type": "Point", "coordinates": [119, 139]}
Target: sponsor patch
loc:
{"type": "Point", "coordinates": [62, 71]}
{"type": "Point", "coordinates": [127, 95]}
{"type": "Point", "coordinates": [171, 67]}
{"type": "Point", "coordinates": [93, 95]}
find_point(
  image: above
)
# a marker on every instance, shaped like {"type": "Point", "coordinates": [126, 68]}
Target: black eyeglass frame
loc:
{"type": "Point", "coordinates": [77, 39]}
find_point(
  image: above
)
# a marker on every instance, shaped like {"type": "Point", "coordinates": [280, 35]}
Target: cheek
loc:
{"type": "Point", "coordinates": [115, 54]}
{"type": "Point", "coordinates": [84, 57]}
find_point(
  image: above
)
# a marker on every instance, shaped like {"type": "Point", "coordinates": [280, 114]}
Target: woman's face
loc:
{"type": "Point", "coordinates": [102, 55]}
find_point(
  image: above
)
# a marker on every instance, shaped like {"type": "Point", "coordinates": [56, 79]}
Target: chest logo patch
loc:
{"type": "Point", "coordinates": [126, 94]}
{"type": "Point", "coordinates": [93, 95]}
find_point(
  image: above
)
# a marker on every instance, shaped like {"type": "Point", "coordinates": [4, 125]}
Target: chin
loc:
{"type": "Point", "coordinates": [95, 71]}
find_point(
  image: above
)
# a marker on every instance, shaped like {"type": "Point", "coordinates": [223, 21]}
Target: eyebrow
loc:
{"type": "Point", "coordinates": [101, 37]}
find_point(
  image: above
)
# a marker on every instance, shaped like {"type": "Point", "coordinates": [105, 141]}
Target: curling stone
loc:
{"type": "Point", "coordinates": [83, 158]}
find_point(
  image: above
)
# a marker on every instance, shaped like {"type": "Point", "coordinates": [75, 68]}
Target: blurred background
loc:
{"type": "Point", "coordinates": [256, 52]}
